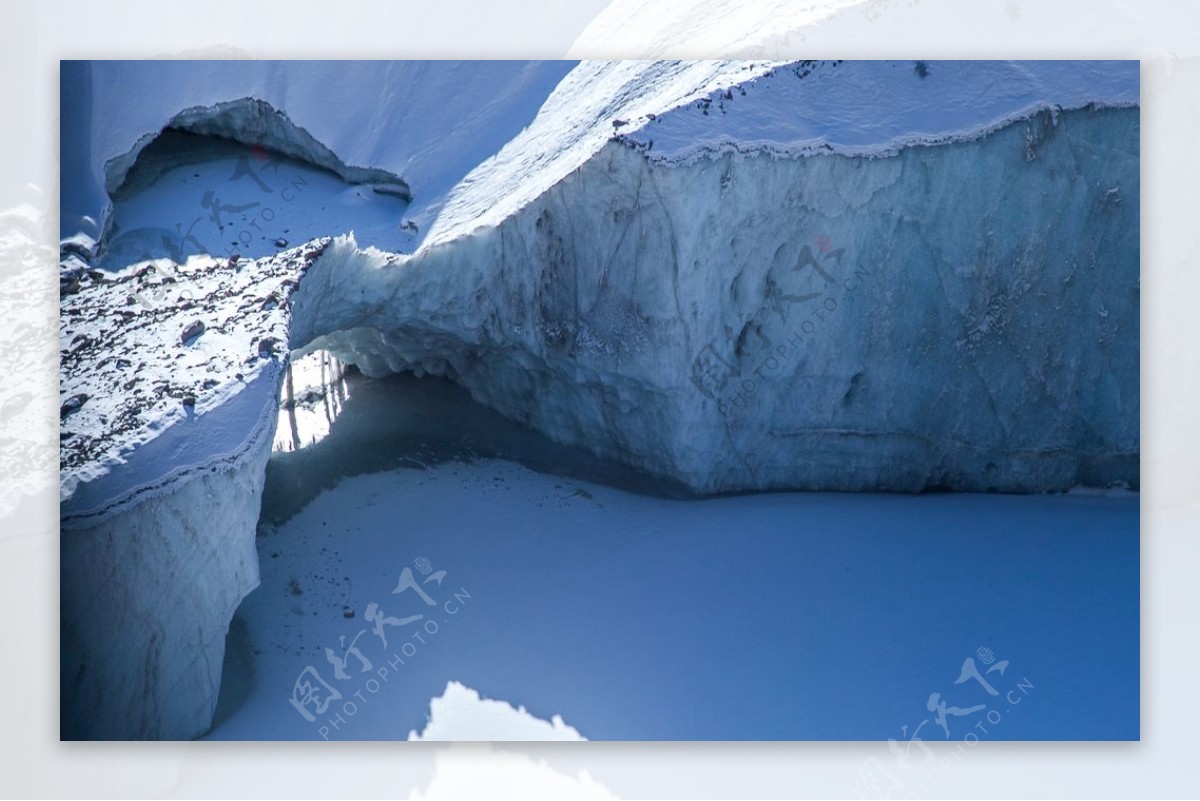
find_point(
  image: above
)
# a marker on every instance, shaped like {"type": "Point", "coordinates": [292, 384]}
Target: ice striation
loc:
{"type": "Point", "coordinates": [736, 303]}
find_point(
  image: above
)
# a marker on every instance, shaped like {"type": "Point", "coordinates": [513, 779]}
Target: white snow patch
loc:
{"type": "Point", "coordinates": [460, 713]}
{"type": "Point", "coordinates": [873, 108]}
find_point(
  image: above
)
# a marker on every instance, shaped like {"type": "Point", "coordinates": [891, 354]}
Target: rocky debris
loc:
{"type": "Point", "coordinates": [69, 284]}
{"type": "Point", "coordinates": [113, 327]}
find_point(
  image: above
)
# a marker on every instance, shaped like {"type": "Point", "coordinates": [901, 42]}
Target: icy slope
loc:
{"type": "Point", "coordinates": [429, 122]}
{"type": "Point", "coordinates": [873, 108]}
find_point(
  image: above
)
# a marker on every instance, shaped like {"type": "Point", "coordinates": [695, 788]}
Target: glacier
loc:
{"type": "Point", "coordinates": [738, 276]}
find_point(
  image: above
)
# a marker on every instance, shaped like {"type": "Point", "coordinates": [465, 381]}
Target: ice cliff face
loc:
{"type": "Point", "coordinates": [962, 316]}
{"type": "Point", "coordinates": [165, 438]}
{"type": "Point", "coordinates": [146, 600]}
{"type": "Point", "coordinates": [706, 271]}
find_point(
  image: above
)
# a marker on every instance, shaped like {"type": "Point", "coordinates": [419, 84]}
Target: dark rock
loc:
{"type": "Point", "coordinates": [72, 405]}
{"type": "Point", "coordinates": [192, 332]}
{"type": "Point", "coordinates": [267, 347]}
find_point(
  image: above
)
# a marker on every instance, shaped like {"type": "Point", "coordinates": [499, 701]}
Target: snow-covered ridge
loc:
{"type": "Point", "coordinates": [166, 369]}
{"type": "Point", "coordinates": [255, 123]}
{"type": "Point", "coordinates": [583, 113]}
{"type": "Point", "coordinates": [876, 108]}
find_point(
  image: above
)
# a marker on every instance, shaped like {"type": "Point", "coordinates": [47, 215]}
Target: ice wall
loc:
{"type": "Point", "coordinates": [146, 600]}
{"type": "Point", "coordinates": [961, 316]}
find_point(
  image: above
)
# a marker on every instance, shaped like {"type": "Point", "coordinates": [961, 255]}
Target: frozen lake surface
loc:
{"type": "Point", "coordinates": [645, 615]}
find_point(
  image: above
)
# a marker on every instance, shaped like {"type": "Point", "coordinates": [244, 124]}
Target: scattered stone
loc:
{"type": "Point", "coordinates": [392, 190]}
{"type": "Point", "coordinates": [267, 347]}
{"type": "Point", "coordinates": [72, 405]}
{"type": "Point", "coordinates": [192, 332]}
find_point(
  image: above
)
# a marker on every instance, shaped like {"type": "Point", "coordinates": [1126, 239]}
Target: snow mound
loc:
{"type": "Point", "coordinates": [460, 713]}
